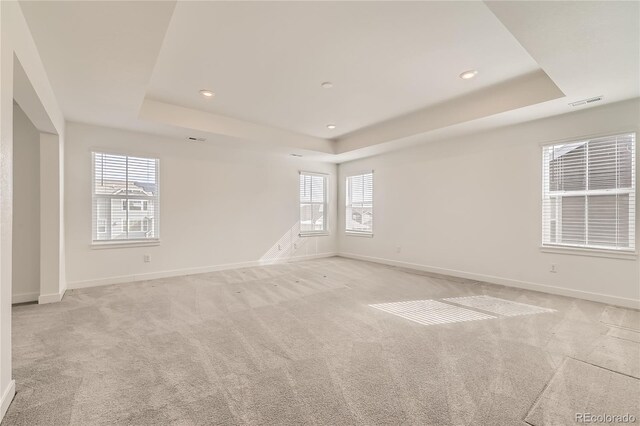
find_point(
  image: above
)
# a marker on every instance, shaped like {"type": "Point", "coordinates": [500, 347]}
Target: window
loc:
{"type": "Point", "coordinates": [135, 205]}
{"type": "Point", "coordinates": [126, 199]}
{"type": "Point", "coordinates": [135, 225]}
{"type": "Point", "coordinates": [589, 193]}
{"type": "Point", "coordinates": [359, 204]}
{"type": "Point", "coordinates": [313, 203]}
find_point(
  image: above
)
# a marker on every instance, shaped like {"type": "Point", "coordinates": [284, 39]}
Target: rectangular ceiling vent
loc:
{"type": "Point", "coordinates": [191, 138]}
{"type": "Point", "coordinates": [586, 101]}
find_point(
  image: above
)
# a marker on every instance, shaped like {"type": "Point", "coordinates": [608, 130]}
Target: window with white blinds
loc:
{"type": "Point", "coordinates": [359, 204]}
{"type": "Point", "coordinates": [313, 203]}
{"type": "Point", "coordinates": [589, 193]}
{"type": "Point", "coordinates": [126, 200]}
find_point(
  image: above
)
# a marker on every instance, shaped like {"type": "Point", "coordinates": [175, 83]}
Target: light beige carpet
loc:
{"type": "Point", "coordinates": [585, 393]}
{"type": "Point", "coordinates": [298, 344]}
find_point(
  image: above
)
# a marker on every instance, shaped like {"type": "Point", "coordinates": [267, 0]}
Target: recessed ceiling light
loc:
{"type": "Point", "coordinates": [327, 85]}
{"type": "Point", "coordinates": [207, 93]}
{"type": "Point", "coordinates": [468, 74]}
{"type": "Point", "coordinates": [331, 126]}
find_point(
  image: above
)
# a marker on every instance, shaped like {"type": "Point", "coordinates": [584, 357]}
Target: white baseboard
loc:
{"type": "Point", "coordinates": [51, 298]}
{"type": "Point", "coordinates": [24, 297]}
{"type": "Point", "coordinates": [189, 271]}
{"type": "Point", "coordinates": [7, 397]}
{"type": "Point", "coordinates": [297, 258]}
{"type": "Point", "coordinates": [578, 294]}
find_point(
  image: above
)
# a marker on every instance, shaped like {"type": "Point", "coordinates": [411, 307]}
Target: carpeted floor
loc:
{"type": "Point", "coordinates": [298, 344]}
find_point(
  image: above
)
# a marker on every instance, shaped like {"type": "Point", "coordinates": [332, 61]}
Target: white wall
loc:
{"type": "Point", "coordinates": [472, 207]}
{"type": "Point", "coordinates": [17, 45]}
{"type": "Point", "coordinates": [26, 209]}
{"type": "Point", "coordinates": [218, 207]}
{"type": "Point", "coordinates": [52, 266]}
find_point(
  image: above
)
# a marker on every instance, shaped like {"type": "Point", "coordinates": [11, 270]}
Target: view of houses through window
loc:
{"type": "Point", "coordinates": [359, 204]}
{"type": "Point", "coordinates": [589, 193]}
{"type": "Point", "coordinates": [125, 198]}
{"type": "Point", "coordinates": [313, 203]}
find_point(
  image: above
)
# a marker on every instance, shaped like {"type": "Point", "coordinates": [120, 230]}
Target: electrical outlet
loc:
{"type": "Point", "coordinates": [554, 268]}
{"type": "Point", "coordinates": [279, 247]}
{"type": "Point", "coordinates": [147, 258]}
{"type": "Point", "coordinates": [295, 246]}
{"type": "Point", "coordinates": [398, 249]}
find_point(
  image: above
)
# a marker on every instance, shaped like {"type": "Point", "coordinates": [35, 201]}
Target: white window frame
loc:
{"type": "Point", "coordinates": [325, 205]}
{"type": "Point", "coordinates": [588, 249]}
{"type": "Point", "coordinates": [102, 223]}
{"type": "Point", "coordinates": [121, 242]}
{"type": "Point", "coordinates": [347, 205]}
{"type": "Point", "coordinates": [126, 205]}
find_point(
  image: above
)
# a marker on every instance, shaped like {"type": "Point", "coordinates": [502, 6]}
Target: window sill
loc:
{"type": "Point", "coordinates": [124, 244]}
{"type": "Point", "coordinates": [359, 234]}
{"type": "Point", "coordinates": [577, 251]}
{"type": "Point", "coordinates": [313, 234]}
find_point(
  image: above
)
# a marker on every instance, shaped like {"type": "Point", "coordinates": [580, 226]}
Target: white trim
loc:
{"type": "Point", "coordinates": [577, 251]}
{"type": "Point", "coordinates": [94, 196]}
{"type": "Point", "coordinates": [124, 152]}
{"type": "Point", "coordinates": [348, 204]}
{"type": "Point", "coordinates": [325, 203]}
{"type": "Point", "coordinates": [24, 297]}
{"type": "Point", "coordinates": [303, 172]}
{"type": "Point", "coordinates": [109, 244]}
{"type": "Point", "coordinates": [296, 259]}
{"type": "Point", "coordinates": [365, 172]}
{"type": "Point", "coordinates": [51, 298]}
{"type": "Point", "coordinates": [586, 138]}
{"type": "Point", "coordinates": [7, 397]}
{"type": "Point", "coordinates": [359, 234]}
{"type": "Point", "coordinates": [583, 192]}
{"type": "Point", "coordinates": [189, 271]}
{"type": "Point", "coordinates": [313, 234]}
{"type": "Point", "coordinates": [578, 294]}
{"type": "Point", "coordinates": [548, 195]}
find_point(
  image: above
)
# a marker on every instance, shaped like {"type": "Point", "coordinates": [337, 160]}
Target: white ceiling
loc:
{"type": "Point", "coordinates": [99, 56]}
{"type": "Point", "coordinates": [394, 66]}
{"type": "Point", "coordinates": [585, 47]}
{"type": "Point", "coordinates": [266, 61]}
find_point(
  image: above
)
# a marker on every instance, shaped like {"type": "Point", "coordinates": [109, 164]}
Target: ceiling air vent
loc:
{"type": "Point", "coordinates": [191, 138]}
{"type": "Point", "coordinates": [586, 101]}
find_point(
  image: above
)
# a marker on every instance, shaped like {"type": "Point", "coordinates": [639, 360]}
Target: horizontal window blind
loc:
{"type": "Point", "coordinates": [589, 190]}
{"type": "Point", "coordinates": [359, 204]}
{"type": "Point", "coordinates": [313, 203]}
{"type": "Point", "coordinates": [126, 198]}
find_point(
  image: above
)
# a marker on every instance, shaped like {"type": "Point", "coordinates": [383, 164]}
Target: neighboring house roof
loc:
{"type": "Point", "coordinates": [149, 187]}
{"type": "Point", "coordinates": [120, 188]}
{"type": "Point", "coordinates": [561, 150]}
